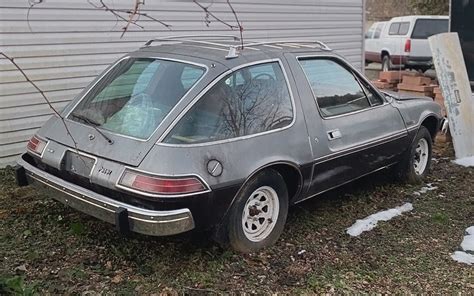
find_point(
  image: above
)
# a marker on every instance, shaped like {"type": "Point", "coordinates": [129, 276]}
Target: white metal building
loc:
{"type": "Point", "coordinates": [62, 45]}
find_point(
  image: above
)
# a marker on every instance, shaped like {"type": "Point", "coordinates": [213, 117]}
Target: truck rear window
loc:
{"type": "Point", "coordinates": [425, 28]}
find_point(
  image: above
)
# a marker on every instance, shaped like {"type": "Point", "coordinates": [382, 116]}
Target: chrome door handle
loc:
{"type": "Point", "coordinates": [334, 134]}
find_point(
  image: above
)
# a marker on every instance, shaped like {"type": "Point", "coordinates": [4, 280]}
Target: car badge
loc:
{"type": "Point", "coordinates": [91, 137]}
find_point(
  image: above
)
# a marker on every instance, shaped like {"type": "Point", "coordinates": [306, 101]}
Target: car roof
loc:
{"type": "Point", "coordinates": [221, 52]}
{"type": "Point", "coordinates": [408, 18]}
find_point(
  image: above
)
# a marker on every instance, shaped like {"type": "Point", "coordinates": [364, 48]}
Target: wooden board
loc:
{"type": "Point", "coordinates": [455, 86]}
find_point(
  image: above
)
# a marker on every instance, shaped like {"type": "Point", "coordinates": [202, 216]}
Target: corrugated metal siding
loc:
{"type": "Point", "coordinates": [65, 44]}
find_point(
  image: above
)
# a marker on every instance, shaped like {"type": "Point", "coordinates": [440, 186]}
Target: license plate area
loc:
{"type": "Point", "coordinates": [78, 164]}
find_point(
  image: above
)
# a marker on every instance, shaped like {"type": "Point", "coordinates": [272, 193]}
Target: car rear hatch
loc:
{"type": "Point", "coordinates": [121, 116]}
{"type": "Point", "coordinates": [424, 28]}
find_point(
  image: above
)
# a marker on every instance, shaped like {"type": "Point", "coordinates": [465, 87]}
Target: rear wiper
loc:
{"type": "Point", "coordinates": [94, 124]}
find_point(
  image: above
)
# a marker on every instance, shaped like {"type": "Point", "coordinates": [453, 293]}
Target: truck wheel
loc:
{"type": "Point", "coordinates": [258, 214]}
{"type": "Point", "coordinates": [416, 162]}
{"type": "Point", "coordinates": [386, 63]}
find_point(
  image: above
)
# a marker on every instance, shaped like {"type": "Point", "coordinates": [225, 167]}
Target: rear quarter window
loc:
{"type": "Point", "coordinates": [249, 101]}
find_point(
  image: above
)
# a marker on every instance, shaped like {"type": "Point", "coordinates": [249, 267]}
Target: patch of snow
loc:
{"type": "Point", "coordinates": [468, 243]}
{"type": "Point", "coordinates": [463, 257]}
{"type": "Point", "coordinates": [425, 189]}
{"type": "Point", "coordinates": [370, 222]}
{"type": "Point", "coordinates": [466, 161]}
{"type": "Point", "coordinates": [470, 230]}
{"type": "Point", "coordinates": [468, 246]}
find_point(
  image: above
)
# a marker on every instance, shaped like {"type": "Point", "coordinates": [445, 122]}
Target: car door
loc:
{"type": "Point", "coordinates": [358, 130]}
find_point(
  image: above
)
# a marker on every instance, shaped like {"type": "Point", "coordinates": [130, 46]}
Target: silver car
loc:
{"type": "Point", "coordinates": [198, 133]}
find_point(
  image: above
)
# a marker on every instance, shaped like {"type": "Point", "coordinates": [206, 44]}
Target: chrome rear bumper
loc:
{"type": "Point", "coordinates": [156, 223]}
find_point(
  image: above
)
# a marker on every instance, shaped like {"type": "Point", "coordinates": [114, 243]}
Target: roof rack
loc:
{"type": "Point", "coordinates": [233, 48]}
{"type": "Point", "coordinates": [191, 38]}
{"type": "Point", "coordinates": [298, 42]}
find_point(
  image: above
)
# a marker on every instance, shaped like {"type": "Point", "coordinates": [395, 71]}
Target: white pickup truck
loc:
{"type": "Point", "coordinates": [402, 42]}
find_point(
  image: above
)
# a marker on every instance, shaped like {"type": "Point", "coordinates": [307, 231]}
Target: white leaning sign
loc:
{"type": "Point", "coordinates": [458, 98]}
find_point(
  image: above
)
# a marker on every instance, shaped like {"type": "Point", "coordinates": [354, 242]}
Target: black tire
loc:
{"type": "Point", "coordinates": [238, 239]}
{"type": "Point", "coordinates": [386, 63]}
{"type": "Point", "coordinates": [405, 171]}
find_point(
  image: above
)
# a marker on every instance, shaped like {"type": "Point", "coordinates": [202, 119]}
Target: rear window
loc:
{"type": "Point", "coordinates": [425, 28]}
{"type": "Point", "coordinates": [134, 97]}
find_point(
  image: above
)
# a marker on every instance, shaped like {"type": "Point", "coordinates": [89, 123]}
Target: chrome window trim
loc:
{"type": "Point", "coordinates": [118, 185]}
{"type": "Point", "coordinates": [365, 145]}
{"type": "Point", "coordinates": [66, 117]}
{"type": "Point", "coordinates": [204, 91]}
{"type": "Point", "coordinates": [359, 75]}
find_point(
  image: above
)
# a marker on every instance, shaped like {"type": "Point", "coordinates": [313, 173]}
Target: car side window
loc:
{"type": "Point", "coordinates": [378, 31]}
{"type": "Point", "coordinates": [249, 101]}
{"type": "Point", "coordinates": [369, 34]}
{"type": "Point", "coordinates": [336, 89]}
{"type": "Point", "coordinates": [394, 29]}
{"type": "Point", "coordinates": [404, 27]}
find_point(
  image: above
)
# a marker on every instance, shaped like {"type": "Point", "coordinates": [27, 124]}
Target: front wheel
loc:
{"type": "Point", "coordinates": [258, 214]}
{"type": "Point", "coordinates": [416, 163]}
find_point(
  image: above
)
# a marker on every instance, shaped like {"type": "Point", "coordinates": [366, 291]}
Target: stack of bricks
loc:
{"type": "Point", "coordinates": [438, 97]}
{"type": "Point", "coordinates": [419, 85]}
{"type": "Point", "coordinates": [389, 80]}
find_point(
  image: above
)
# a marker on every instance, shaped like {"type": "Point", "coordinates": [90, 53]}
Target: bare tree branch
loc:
{"type": "Point", "coordinates": [209, 15]}
{"type": "Point", "coordinates": [12, 60]}
{"type": "Point", "coordinates": [31, 3]}
{"type": "Point", "coordinates": [241, 29]}
{"type": "Point", "coordinates": [129, 16]}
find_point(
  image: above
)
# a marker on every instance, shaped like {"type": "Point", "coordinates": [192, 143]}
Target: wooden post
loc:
{"type": "Point", "coordinates": [458, 98]}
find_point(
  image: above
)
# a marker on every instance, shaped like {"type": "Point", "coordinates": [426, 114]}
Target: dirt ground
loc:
{"type": "Point", "coordinates": [47, 248]}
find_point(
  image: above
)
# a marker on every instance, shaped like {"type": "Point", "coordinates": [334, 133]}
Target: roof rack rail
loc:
{"type": "Point", "coordinates": [295, 42]}
{"type": "Point", "coordinates": [191, 38]}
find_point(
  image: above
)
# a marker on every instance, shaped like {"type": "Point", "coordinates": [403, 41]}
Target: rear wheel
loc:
{"type": "Point", "coordinates": [416, 163]}
{"type": "Point", "coordinates": [386, 63]}
{"type": "Point", "coordinates": [258, 215]}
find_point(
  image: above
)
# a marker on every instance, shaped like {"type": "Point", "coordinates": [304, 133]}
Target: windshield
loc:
{"type": "Point", "coordinates": [134, 96]}
{"type": "Point", "coordinates": [425, 28]}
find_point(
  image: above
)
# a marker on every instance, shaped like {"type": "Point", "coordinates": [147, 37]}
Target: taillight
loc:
{"type": "Point", "coordinates": [161, 185]}
{"type": "Point", "coordinates": [408, 45]}
{"type": "Point", "coordinates": [36, 145]}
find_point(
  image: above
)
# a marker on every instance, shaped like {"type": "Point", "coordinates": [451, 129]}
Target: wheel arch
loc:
{"type": "Point", "coordinates": [290, 173]}
{"type": "Point", "coordinates": [431, 123]}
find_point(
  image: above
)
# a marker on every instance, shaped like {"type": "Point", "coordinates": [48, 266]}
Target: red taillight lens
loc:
{"type": "Point", "coordinates": [36, 145]}
{"type": "Point", "coordinates": [161, 185]}
{"type": "Point", "coordinates": [408, 45]}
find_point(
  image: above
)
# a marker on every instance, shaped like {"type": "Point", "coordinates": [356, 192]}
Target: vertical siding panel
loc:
{"type": "Point", "coordinates": [66, 44]}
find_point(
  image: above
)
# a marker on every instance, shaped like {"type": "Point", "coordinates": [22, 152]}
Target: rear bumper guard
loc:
{"type": "Point", "coordinates": [126, 217]}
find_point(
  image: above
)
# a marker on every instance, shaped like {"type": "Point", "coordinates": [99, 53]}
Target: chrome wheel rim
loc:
{"type": "Point", "coordinates": [260, 214]}
{"type": "Point", "coordinates": [420, 160]}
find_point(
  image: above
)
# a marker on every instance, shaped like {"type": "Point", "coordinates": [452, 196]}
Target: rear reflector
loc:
{"type": "Point", "coordinates": [161, 185]}
{"type": "Point", "coordinates": [36, 145]}
{"type": "Point", "coordinates": [408, 45]}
